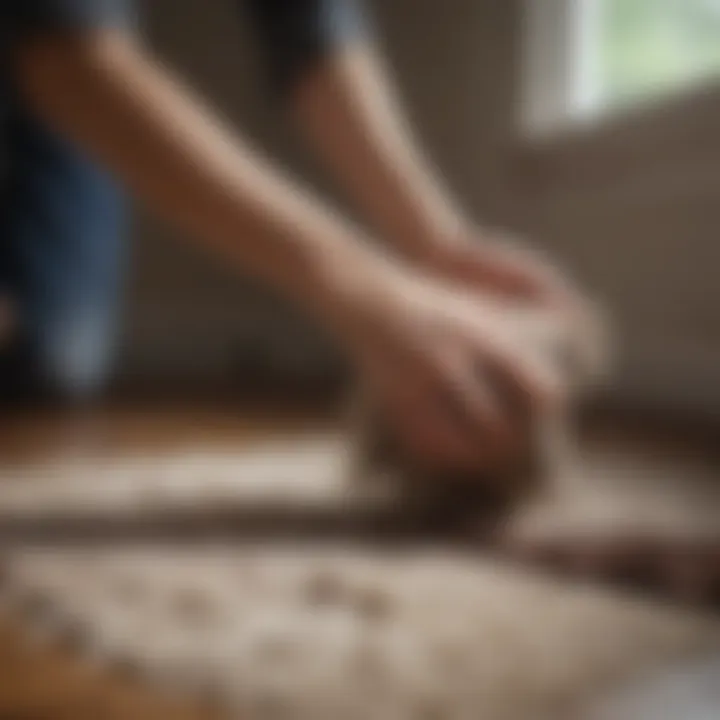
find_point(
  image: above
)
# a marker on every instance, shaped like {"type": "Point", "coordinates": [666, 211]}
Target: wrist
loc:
{"type": "Point", "coordinates": [353, 289]}
{"type": "Point", "coordinates": [424, 239]}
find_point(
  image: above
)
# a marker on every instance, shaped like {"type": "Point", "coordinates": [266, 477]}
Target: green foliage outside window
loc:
{"type": "Point", "coordinates": [647, 47]}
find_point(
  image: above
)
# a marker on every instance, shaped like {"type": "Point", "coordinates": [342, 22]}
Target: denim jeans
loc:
{"type": "Point", "coordinates": [61, 258]}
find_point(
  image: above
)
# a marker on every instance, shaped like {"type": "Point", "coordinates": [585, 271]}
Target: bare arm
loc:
{"type": "Point", "coordinates": [102, 90]}
{"type": "Point", "coordinates": [350, 110]}
{"type": "Point", "coordinates": [416, 342]}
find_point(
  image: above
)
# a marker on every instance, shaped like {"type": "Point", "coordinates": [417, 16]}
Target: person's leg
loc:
{"type": "Point", "coordinates": [61, 227]}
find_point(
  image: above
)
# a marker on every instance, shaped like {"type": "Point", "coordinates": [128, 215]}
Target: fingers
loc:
{"type": "Point", "coordinates": [524, 271]}
{"type": "Point", "coordinates": [451, 420]}
{"type": "Point", "coordinates": [429, 433]}
{"type": "Point", "coordinates": [419, 426]}
{"type": "Point", "coordinates": [478, 411]}
{"type": "Point", "coordinates": [529, 381]}
{"type": "Point", "coordinates": [459, 415]}
{"type": "Point", "coordinates": [460, 385]}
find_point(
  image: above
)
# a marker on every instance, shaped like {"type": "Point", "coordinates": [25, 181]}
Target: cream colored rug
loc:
{"type": "Point", "coordinates": [317, 633]}
{"type": "Point", "coordinates": [342, 629]}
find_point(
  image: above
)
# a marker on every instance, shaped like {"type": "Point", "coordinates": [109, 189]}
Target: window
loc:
{"type": "Point", "coordinates": [585, 58]}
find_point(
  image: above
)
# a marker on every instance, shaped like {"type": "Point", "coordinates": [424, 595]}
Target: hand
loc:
{"type": "Point", "coordinates": [500, 266]}
{"type": "Point", "coordinates": [497, 264]}
{"type": "Point", "coordinates": [425, 350]}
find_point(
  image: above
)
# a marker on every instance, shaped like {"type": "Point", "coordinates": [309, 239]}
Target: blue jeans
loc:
{"type": "Point", "coordinates": [61, 258]}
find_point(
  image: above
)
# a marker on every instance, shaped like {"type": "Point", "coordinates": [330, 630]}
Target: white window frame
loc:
{"type": "Point", "coordinates": [559, 84]}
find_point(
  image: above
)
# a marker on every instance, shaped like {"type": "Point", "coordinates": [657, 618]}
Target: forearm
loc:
{"type": "Point", "coordinates": [352, 115]}
{"type": "Point", "coordinates": [108, 96]}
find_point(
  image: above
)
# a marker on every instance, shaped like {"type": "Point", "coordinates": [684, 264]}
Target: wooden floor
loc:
{"type": "Point", "coordinates": [40, 683]}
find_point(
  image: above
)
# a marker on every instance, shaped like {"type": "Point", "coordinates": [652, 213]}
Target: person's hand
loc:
{"type": "Point", "coordinates": [502, 266]}
{"type": "Point", "coordinates": [431, 355]}
{"type": "Point", "coordinates": [496, 263]}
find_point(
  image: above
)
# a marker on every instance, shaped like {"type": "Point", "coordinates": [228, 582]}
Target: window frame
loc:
{"type": "Point", "coordinates": [558, 84]}
{"type": "Point", "coordinates": [561, 87]}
